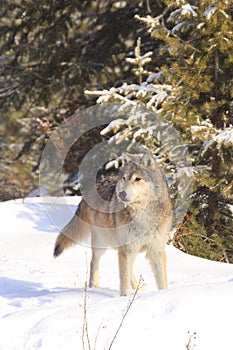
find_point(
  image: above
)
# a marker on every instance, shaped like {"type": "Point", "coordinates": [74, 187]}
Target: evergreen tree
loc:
{"type": "Point", "coordinates": [50, 52]}
{"type": "Point", "coordinates": [193, 88]}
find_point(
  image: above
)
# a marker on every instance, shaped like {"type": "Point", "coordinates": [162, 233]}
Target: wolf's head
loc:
{"type": "Point", "coordinates": [136, 181]}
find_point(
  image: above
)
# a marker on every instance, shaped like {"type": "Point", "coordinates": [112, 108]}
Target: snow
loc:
{"type": "Point", "coordinates": [42, 298]}
{"type": "Point", "coordinates": [186, 10]}
{"type": "Point", "coordinates": [221, 138]}
{"type": "Point", "coordinates": [113, 126]}
{"type": "Point", "coordinates": [209, 11]}
{"type": "Point", "coordinates": [225, 137]}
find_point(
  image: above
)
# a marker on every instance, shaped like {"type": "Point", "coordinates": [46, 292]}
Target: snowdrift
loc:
{"type": "Point", "coordinates": [42, 299]}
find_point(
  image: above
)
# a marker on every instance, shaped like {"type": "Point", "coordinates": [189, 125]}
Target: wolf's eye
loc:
{"type": "Point", "coordinates": [137, 179]}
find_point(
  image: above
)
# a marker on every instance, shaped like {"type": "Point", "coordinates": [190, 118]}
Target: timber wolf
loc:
{"type": "Point", "coordinates": [131, 212]}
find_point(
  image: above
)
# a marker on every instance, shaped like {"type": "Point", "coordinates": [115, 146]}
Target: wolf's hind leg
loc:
{"type": "Point", "coordinates": [94, 269]}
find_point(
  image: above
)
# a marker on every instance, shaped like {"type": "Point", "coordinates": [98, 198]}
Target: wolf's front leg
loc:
{"type": "Point", "coordinates": [125, 269]}
{"type": "Point", "coordinates": [158, 261]}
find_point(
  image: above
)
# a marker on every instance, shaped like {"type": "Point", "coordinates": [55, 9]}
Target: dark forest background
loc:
{"type": "Point", "coordinates": [51, 52]}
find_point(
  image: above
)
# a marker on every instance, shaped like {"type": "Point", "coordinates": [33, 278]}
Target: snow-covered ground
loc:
{"type": "Point", "coordinates": [42, 299]}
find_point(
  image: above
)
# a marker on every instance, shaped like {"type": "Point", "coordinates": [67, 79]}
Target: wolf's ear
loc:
{"type": "Point", "coordinates": [126, 158]}
{"type": "Point", "coordinates": [148, 161]}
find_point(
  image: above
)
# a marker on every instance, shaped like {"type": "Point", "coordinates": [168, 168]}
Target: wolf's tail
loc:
{"type": "Point", "coordinates": [76, 231]}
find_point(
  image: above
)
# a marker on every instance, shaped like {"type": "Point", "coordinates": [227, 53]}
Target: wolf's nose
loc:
{"type": "Point", "coordinates": [122, 194]}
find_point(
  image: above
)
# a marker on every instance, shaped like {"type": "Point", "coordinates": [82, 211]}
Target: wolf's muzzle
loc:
{"type": "Point", "coordinates": [123, 195]}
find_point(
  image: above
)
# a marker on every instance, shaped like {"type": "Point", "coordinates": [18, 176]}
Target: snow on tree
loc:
{"type": "Point", "coordinates": [193, 90]}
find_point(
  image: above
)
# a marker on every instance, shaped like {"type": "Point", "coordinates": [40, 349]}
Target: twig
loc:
{"type": "Point", "coordinates": [126, 312]}
{"type": "Point", "coordinates": [97, 334]}
{"type": "Point", "coordinates": [190, 345]}
{"type": "Point", "coordinates": [85, 333]}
